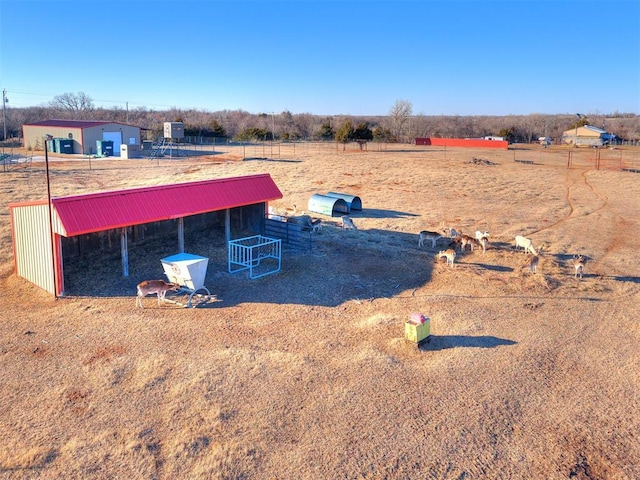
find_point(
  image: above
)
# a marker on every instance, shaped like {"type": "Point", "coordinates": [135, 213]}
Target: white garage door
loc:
{"type": "Point", "coordinates": [116, 138]}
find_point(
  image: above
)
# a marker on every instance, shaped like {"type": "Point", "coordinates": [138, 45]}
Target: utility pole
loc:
{"type": "Point", "coordinates": [4, 114]}
{"type": "Point", "coordinates": [580, 117]}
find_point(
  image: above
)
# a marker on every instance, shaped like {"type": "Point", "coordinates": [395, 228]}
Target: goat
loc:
{"type": "Point", "coordinates": [578, 265]}
{"type": "Point", "coordinates": [480, 234]}
{"type": "Point", "coordinates": [484, 241]}
{"type": "Point", "coordinates": [428, 235]}
{"type": "Point", "coordinates": [450, 232]}
{"type": "Point", "coordinates": [533, 264]}
{"type": "Point", "coordinates": [526, 244]}
{"type": "Point", "coordinates": [159, 287]}
{"type": "Point", "coordinates": [347, 223]}
{"type": "Point", "coordinates": [449, 254]}
{"type": "Point", "coordinates": [467, 240]}
{"type": "Point", "coordinates": [291, 211]}
{"type": "Point", "coordinates": [303, 220]}
{"type": "Point", "coordinates": [316, 225]}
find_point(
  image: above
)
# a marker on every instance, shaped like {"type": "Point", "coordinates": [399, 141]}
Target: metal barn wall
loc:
{"type": "Point", "coordinates": [34, 136]}
{"type": "Point", "coordinates": [84, 138]}
{"type": "Point", "coordinates": [586, 137]}
{"type": "Point", "coordinates": [31, 247]}
{"type": "Point", "coordinates": [462, 142]}
{"type": "Point", "coordinates": [91, 134]}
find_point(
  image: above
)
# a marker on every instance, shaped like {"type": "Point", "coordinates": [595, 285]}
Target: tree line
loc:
{"type": "Point", "coordinates": [400, 125]}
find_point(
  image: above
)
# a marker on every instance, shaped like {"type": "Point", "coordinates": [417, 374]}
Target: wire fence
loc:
{"type": "Point", "coordinates": [616, 159]}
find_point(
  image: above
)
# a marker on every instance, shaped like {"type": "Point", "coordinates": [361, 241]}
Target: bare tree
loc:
{"type": "Point", "coordinates": [73, 106]}
{"type": "Point", "coordinates": [399, 117]}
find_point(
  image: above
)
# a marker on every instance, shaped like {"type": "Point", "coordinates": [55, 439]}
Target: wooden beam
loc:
{"type": "Point", "coordinates": [181, 235]}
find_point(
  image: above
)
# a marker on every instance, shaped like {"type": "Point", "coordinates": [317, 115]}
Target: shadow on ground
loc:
{"type": "Point", "coordinates": [443, 342]}
{"type": "Point", "coordinates": [341, 266]}
{"type": "Point", "coordinates": [381, 213]}
{"type": "Point", "coordinates": [266, 159]}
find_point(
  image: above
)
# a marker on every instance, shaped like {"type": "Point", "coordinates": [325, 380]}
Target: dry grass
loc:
{"type": "Point", "coordinates": [306, 373]}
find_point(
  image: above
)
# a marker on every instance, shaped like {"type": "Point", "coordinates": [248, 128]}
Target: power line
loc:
{"type": "Point", "coordinates": [109, 101]}
{"type": "Point", "coordinates": [4, 114]}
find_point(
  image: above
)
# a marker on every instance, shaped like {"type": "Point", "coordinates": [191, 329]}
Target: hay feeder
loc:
{"type": "Point", "coordinates": [259, 254]}
{"type": "Point", "coordinates": [188, 271]}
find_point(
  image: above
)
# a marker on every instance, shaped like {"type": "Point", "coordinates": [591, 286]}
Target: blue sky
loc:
{"type": "Point", "coordinates": [326, 57]}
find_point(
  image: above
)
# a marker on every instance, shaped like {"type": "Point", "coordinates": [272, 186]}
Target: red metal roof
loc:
{"type": "Point", "coordinates": [94, 212]}
{"type": "Point", "coordinates": [70, 123]}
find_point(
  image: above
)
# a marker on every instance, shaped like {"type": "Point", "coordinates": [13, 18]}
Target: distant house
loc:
{"type": "Point", "coordinates": [80, 136]}
{"type": "Point", "coordinates": [588, 136]}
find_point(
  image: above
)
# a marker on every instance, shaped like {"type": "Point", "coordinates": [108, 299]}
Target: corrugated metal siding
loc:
{"type": "Point", "coordinates": [80, 214]}
{"type": "Point", "coordinates": [585, 131]}
{"type": "Point", "coordinates": [462, 142]}
{"type": "Point", "coordinates": [589, 132]}
{"type": "Point", "coordinates": [33, 137]}
{"type": "Point", "coordinates": [33, 133]}
{"type": "Point", "coordinates": [91, 134]}
{"type": "Point", "coordinates": [31, 245]}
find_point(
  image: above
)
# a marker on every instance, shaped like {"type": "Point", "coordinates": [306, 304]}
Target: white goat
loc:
{"type": "Point", "coordinates": [449, 254]}
{"type": "Point", "coordinates": [159, 287]}
{"type": "Point", "coordinates": [578, 265]}
{"type": "Point", "coordinates": [291, 211]}
{"type": "Point", "coordinates": [484, 241]}
{"type": "Point", "coordinates": [480, 234]}
{"type": "Point", "coordinates": [526, 244]}
{"type": "Point", "coordinates": [428, 235]}
{"type": "Point", "coordinates": [347, 223]}
{"type": "Point", "coordinates": [450, 232]}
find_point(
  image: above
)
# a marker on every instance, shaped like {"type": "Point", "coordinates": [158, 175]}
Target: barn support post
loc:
{"type": "Point", "coordinates": [59, 266]}
{"type": "Point", "coordinates": [50, 206]}
{"type": "Point", "coordinates": [181, 235]}
{"type": "Point", "coordinates": [227, 225]}
{"type": "Point", "coordinates": [125, 252]}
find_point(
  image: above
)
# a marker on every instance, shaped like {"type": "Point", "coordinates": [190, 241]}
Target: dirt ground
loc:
{"type": "Point", "coordinates": [306, 373]}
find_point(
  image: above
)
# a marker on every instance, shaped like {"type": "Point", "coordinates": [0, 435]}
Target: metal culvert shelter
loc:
{"type": "Point", "coordinates": [353, 202]}
{"type": "Point", "coordinates": [326, 205]}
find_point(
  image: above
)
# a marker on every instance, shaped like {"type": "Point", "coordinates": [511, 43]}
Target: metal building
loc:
{"type": "Point", "coordinates": [40, 260]}
{"type": "Point", "coordinates": [83, 133]}
{"type": "Point", "coordinates": [588, 136]}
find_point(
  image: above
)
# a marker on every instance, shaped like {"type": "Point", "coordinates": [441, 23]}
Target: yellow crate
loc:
{"type": "Point", "coordinates": [417, 332]}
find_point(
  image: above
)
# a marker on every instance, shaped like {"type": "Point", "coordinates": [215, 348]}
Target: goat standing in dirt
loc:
{"type": "Point", "coordinates": [159, 287]}
{"type": "Point", "coordinates": [347, 223]}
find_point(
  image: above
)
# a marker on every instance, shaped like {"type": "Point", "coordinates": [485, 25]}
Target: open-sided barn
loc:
{"type": "Point", "coordinates": [90, 222]}
{"type": "Point", "coordinates": [80, 135]}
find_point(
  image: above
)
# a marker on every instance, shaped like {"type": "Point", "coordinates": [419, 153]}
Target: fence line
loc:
{"type": "Point", "coordinates": [596, 159]}
{"type": "Point", "coordinates": [614, 159]}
